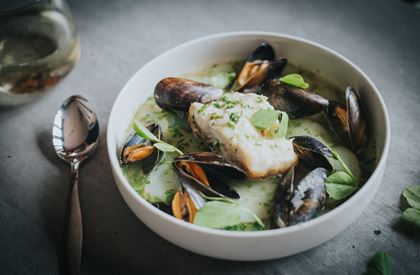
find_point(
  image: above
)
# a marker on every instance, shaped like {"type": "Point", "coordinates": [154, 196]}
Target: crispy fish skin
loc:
{"type": "Point", "coordinates": [226, 123]}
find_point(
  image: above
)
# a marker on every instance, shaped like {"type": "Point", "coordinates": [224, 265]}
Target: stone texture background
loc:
{"type": "Point", "coordinates": [117, 38]}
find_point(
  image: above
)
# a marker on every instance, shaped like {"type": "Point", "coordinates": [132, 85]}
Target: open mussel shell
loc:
{"type": "Point", "coordinates": [294, 101]}
{"type": "Point", "coordinates": [312, 152]}
{"type": "Point", "coordinates": [206, 172]}
{"type": "Point", "coordinates": [259, 67]}
{"type": "Point", "coordinates": [175, 93]}
{"type": "Point", "coordinates": [348, 122]}
{"type": "Point", "coordinates": [137, 149]}
{"type": "Point", "coordinates": [186, 202]}
{"type": "Point", "coordinates": [299, 200]}
{"type": "Point", "coordinates": [308, 196]}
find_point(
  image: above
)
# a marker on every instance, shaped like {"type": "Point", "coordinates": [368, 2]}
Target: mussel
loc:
{"type": "Point", "coordinates": [294, 101]}
{"type": "Point", "coordinates": [206, 172]}
{"type": "Point", "coordinates": [312, 152]}
{"type": "Point", "coordinates": [174, 93]}
{"type": "Point", "coordinates": [348, 122]}
{"type": "Point", "coordinates": [186, 202]}
{"type": "Point", "coordinates": [258, 68]}
{"type": "Point", "coordinates": [298, 200]}
{"type": "Point", "coordinates": [138, 148]}
{"type": "Point", "coordinates": [201, 172]}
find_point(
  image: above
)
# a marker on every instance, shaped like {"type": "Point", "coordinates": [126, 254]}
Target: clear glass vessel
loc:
{"type": "Point", "coordinates": [38, 47]}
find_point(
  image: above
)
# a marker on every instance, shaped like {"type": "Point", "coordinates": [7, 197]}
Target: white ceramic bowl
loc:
{"type": "Point", "coordinates": [258, 245]}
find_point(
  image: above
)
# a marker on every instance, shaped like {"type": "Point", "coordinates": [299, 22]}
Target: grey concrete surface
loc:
{"type": "Point", "coordinates": [117, 38]}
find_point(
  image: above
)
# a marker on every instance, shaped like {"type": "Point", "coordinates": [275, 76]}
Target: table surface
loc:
{"type": "Point", "coordinates": [117, 38]}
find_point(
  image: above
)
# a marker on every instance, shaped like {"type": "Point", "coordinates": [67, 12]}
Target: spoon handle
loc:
{"type": "Point", "coordinates": [73, 233]}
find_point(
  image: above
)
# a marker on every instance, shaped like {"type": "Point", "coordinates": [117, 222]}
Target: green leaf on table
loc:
{"type": "Point", "coordinates": [264, 119]}
{"type": "Point", "coordinates": [340, 185]}
{"type": "Point", "coordinates": [284, 122]}
{"type": "Point", "coordinates": [411, 217]}
{"type": "Point", "coordinates": [144, 132]}
{"type": "Point", "coordinates": [412, 195]}
{"type": "Point", "coordinates": [295, 80]}
{"type": "Point", "coordinates": [381, 264]}
{"type": "Point", "coordinates": [219, 214]}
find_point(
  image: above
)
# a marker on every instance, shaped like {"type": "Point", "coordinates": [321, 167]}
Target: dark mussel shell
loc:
{"type": "Point", "coordinates": [263, 52]}
{"type": "Point", "coordinates": [138, 149]}
{"type": "Point", "coordinates": [294, 101]}
{"type": "Point", "coordinates": [308, 196]}
{"type": "Point", "coordinates": [215, 168]}
{"type": "Point", "coordinates": [298, 201]}
{"type": "Point", "coordinates": [259, 67]}
{"type": "Point", "coordinates": [282, 197]}
{"type": "Point", "coordinates": [312, 152]}
{"type": "Point", "coordinates": [348, 122]}
{"type": "Point", "coordinates": [174, 93]}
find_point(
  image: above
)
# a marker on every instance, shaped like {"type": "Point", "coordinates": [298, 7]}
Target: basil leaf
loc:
{"type": "Point", "coordinates": [264, 119]}
{"type": "Point", "coordinates": [284, 122]}
{"type": "Point", "coordinates": [411, 216]}
{"type": "Point", "coordinates": [144, 132]}
{"type": "Point", "coordinates": [295, 80]}
{"type": "Point", "coordinates": [218, 214]}
{"type": "Point", "coordinates": [339, 191]}
{"type": "Point", "coordinates": [340, 185]}
{"type": "Point", "coordinates": [165, 147]}
{"type": "Point", "coordinates": [412, 195]}
{"type": "Point", "coordinates": [381, 263]}
{"type": "Point", "coordinates": [342, 178]}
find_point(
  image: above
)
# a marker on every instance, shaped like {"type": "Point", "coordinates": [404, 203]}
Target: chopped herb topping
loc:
{"type": "Point", "coordinates": [234, 117]}
{"type": "Point", "coordinates": [215, 116]}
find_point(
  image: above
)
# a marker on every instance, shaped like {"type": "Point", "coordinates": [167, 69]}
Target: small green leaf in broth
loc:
{"type": "Point", "coordinates": [295, 80]}
{"type": "Point", "coordinates": [264, 119]}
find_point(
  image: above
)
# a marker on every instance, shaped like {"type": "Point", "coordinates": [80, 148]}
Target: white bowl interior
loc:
{"type": "Point", "coordinates": [196, 54]}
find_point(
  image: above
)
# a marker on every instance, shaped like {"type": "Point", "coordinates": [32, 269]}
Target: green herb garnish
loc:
{"type": "Point", "coordinates": [411, 215]}
{"type": "Point", "coordinates": [380, 264]}
{"type": "Point", "coordinates": [214, 116]}
{"type": "Point", "coordinates": [221, 212]}
{"type": "Point", "coordinates": [158, 144]}
{"type": "Point", "coordinates": [412, 195]}
{"type": "Point", "coordinates": [340, 185]}
{"type": "Point", "coordinates": [234, 117]}
{"type": "Point", "coordinates": [264, 119]}
{"type": "Point", "coordinates": [284, 122]}
{"type": "Point", "coordinates": [295, 80]}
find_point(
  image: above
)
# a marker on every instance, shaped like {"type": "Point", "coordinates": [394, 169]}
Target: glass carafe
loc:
{"type": "Point", "coordinates": [38, 47]}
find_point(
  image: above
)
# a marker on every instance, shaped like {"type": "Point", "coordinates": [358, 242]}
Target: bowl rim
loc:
{"type": "Point", "coordinates": [246, 234]}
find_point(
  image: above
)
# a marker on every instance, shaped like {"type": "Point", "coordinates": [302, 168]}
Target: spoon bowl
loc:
{"type": "Point", "coordinates": [75, 130]}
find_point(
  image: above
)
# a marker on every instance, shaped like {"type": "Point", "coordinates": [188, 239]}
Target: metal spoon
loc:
{"type": "Point", "coordinates": [75, 138]}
